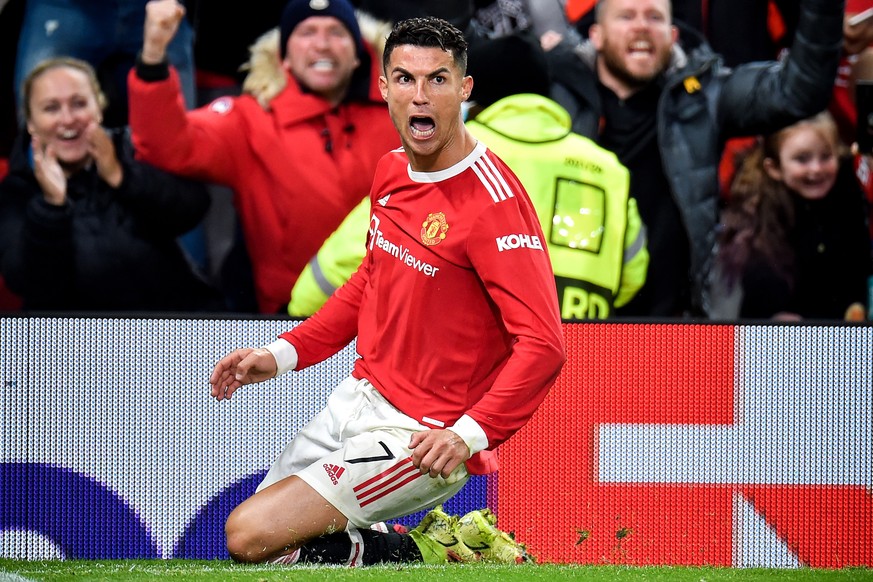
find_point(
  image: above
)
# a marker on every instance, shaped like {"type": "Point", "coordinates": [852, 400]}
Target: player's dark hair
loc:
{"type": "Point", "coordinates": [428, 31]}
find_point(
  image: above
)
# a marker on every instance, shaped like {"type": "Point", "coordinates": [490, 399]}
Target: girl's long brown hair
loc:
{"type": "Point", "coordinates": [760, 213]}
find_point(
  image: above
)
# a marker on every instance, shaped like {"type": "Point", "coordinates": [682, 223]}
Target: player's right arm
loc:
{"type": "Point", "coordinates": [314, 340]}
{"type": "Point", "coordinates": [326, 332]}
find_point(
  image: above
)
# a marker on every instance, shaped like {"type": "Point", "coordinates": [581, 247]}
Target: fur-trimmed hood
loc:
{"type": "Point", "coordinates": [266, 78]}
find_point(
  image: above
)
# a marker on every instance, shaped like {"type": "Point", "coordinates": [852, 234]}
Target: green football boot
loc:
{"type": "Point", "coordinates": [437, 540]}
{"type": "Point", "coordinates": [479, 534]}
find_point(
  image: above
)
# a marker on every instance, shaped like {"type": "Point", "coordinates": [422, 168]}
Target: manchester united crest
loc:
{"type": "Point", "coordinates": [433, 230]}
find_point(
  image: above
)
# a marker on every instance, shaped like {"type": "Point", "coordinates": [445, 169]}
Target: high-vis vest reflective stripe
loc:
{"type": "Point", "coordinates": [580, 192]}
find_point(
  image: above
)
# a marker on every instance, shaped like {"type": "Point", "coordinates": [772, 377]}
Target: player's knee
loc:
{"type": "Point", "coordinates": [242, 543]}
{"type": "Point", "coordinates": [242, 549]}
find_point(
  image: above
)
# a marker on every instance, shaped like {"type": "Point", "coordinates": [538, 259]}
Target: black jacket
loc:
{"type": "Point", "coordinates": [830, 239]}
{"type": "Point", "coordinates": [105, 249]}
{"type": "Point", "coordinates": [703, 104]}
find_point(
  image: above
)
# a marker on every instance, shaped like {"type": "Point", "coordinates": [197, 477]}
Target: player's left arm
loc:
{"type": "Point", "coordinates": [509, 254]}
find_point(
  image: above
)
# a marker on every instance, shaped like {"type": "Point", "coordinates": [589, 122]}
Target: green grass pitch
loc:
{"type": "Point", "coordinates": [221, 570]}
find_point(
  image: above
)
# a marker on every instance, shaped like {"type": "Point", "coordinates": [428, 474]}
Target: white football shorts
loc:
{"type": "Point", "coordinates": [355, 454]}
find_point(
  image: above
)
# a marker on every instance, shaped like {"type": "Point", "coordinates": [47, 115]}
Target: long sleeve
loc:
{"type": "Point", "coordinates": [200, 144]}
{"type": "Point", "coordinates": [529, 313]}
{"type": "Point", "coordinates": [760, 97]}
{"type": "Point", "coordinates": [333, 326]}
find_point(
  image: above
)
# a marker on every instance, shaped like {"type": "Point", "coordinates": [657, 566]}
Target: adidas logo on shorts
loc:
{"type": "Point", "coordinates": [334, 472]}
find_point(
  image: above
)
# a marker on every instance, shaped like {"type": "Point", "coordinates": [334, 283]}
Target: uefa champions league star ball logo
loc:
{"type": "Point", "coordinates": [433, 229]}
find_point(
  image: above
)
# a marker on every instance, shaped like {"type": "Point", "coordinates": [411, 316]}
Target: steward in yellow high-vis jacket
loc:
{"type": "Point", "coordinates": [596, 239]}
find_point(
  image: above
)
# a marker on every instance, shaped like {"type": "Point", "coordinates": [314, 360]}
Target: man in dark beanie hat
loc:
{"type": "Point", "coordinates": [299, 156]}
{"type": "Point", "coordinates": [345, 75]}
{"type": "Point", "coordinates": [331, 72]}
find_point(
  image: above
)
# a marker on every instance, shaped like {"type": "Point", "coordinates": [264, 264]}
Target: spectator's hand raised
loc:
{"type": "Point", "coordinates": [161, 23]}
{"type": "Point", "coordinates": [49, 173]}
{"type": "Point", "coordinates": [101, 148]}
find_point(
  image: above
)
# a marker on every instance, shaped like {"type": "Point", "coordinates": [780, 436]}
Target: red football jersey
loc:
{"type": "Point", "coordinates": [454, 306]}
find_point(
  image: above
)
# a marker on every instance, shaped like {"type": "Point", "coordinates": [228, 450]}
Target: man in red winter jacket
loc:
{"type": "Point", "coordinates": [298, 162]}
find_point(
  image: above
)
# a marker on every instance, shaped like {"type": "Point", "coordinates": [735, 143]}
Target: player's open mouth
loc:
{"type": "Point", "coordinates": [422, 127]}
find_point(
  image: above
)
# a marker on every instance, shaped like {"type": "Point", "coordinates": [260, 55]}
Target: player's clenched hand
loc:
{"type": "Point", "coordinates": [240, 367]}
{"type": "Point", "coordinates": [438, 452]}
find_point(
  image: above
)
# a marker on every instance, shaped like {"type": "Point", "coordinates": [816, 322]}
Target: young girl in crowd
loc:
{"type": "Point", "coordinates": [795, 243]}
{"type": "Point", "coordinates": [83, 224]}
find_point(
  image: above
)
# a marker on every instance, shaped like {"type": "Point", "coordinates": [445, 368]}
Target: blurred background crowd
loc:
{"type": "Point", "coordinates": [705, 159]}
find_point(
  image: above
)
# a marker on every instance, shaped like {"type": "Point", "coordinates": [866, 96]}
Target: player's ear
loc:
{"type": "Point", "coordinates": [383, 87]}
{"type": "Point", "coordinates": [467, 87]}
